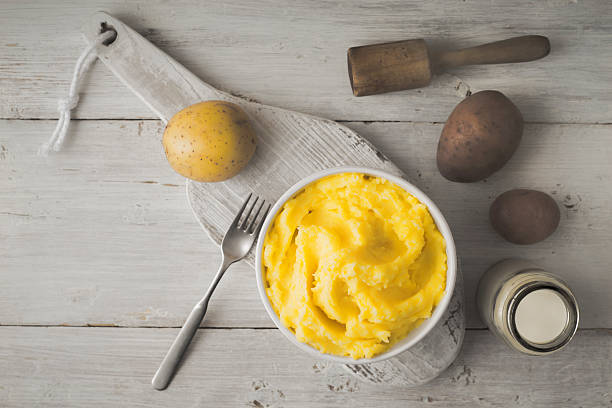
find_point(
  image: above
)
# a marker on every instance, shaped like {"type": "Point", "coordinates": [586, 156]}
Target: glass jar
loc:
{"type": "Point", "coordinates": [532, 310]}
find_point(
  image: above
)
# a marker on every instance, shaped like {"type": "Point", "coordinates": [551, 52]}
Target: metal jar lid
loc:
{"type": "Point", "coordinates": [530, 309]}
{"type": "Point", "coordinates": [562, 336]}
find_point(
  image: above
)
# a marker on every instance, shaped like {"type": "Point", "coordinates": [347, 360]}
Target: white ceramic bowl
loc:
{"type": "Point", "coordinates": [415, 335]}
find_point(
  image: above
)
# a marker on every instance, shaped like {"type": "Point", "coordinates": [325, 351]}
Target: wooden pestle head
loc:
{"type": "Point", "coordinates": [388, 67]}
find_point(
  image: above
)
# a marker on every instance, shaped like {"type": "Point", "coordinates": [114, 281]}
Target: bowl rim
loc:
{"type": "Point", "coordinates": [451, 270]}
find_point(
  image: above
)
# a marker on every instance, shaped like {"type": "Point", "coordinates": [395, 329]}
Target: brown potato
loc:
{"type": "Point", "coordinates": [524, 216]}
{"type": "Point", "coordinates": [479, 137]}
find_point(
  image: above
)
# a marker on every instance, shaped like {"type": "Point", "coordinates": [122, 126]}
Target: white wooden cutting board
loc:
{"type": "Point", "coordinates": [290, 146]}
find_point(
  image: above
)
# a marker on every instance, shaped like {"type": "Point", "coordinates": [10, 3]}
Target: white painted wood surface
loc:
{"type": "Point", "coordinates": [293, 54]}
{"type": "Point", "coordinates": [105, 367]}
{"type": "Point", "coordinates": [290, 146]}
{"type": "Point", "coordinates": [101, 235]}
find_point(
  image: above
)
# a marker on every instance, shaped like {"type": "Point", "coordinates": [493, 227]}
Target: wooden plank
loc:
{"type": "Point", "coordinates": [293, 55]}
{"type": "Point", "coordinates": [103, 234]}
{"type": "Point", "coordinates": [98, 234]}
{"type": "Point", "coordinates": [76, 367]}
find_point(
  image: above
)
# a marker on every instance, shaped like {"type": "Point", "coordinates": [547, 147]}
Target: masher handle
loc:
{"type": "Point", "coordinates": [517, 49]}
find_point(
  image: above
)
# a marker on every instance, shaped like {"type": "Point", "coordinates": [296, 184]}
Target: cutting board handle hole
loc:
{"type": "Point", "coordinates": [104, 27]}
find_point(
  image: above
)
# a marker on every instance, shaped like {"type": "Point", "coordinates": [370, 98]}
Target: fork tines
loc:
{"type": "Point", "coordinates": [251, 224]}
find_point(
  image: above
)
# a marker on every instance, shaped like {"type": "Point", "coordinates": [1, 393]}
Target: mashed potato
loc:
{"type": "Point", "coordinates": [353, 263]}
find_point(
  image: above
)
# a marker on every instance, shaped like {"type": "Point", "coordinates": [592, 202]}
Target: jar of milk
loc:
{"type": "Point", "coordinates": [532, 310]}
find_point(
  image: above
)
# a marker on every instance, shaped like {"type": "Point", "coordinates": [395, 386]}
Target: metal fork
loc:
{"type": "Point", "coordinates": [236, 244]}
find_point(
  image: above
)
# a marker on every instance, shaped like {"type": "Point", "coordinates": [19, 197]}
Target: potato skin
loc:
{"type": "Point", "coordinates": [479, 137]}
{"type": "Point", "coordinates": [524, 216]}
{"type": "Point", "coordinates": [209, 141]}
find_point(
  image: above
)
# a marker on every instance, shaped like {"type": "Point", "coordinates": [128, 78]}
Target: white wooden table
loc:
{"type": "Point", "coordinates": [101, 258]}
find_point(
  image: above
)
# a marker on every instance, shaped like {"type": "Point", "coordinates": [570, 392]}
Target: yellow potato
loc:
{"type": "Point", "coordinates": [209, 141]}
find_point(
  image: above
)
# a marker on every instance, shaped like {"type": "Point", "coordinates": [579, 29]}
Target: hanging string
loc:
{"type": "Point", "coordinates": [65, 106]}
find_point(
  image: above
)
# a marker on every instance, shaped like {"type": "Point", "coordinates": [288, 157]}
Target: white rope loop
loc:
{"type": "Point", "coordinates": [66, 105]}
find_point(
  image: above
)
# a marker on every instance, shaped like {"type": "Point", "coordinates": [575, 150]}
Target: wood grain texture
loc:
{"type": "Point", "coordinates": [105, 367]}
{"type": "Point", "coordinates": [102, 233]}
{"type": "Point", "coordinates": [525, 48]}
{"type": "Point", "coordinates": [293, 54]}
{"type": "Point", "coordinates": [290, 146]}
{"type": "Point", "coordinates": [389, 67]}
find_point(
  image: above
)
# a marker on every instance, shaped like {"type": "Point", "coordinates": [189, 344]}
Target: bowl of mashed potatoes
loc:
{"type": "Point", "coordinates": [355, 265]}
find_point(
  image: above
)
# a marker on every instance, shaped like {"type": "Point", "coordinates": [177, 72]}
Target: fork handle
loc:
{"type": "Point", "coordinates": [173, 357]}
{"type": "Point", "coordinates": [166, 370]}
